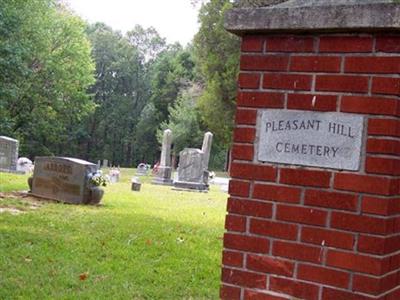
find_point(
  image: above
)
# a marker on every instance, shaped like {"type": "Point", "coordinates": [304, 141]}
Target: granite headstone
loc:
{"type": "Point", "coordinates": [65, 179]}
{"type": "Point", "coordinates": [191, 172]}
{"type": "Point", "coordinates": [164, 170]}
{"type": "Point", "coordinates": [142, 169]}
{"type": "Point", "coordinates": [8, 154]}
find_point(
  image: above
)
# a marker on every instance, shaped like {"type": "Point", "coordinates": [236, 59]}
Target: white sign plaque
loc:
{"type": "Point", "coordinates": [330, 140]}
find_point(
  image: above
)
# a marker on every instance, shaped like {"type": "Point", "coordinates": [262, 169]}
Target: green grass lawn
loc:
{"type": "Point", "coordinates": [152, 244]}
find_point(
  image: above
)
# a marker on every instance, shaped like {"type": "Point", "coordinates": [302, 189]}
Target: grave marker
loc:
{"type": "Point", "coordinates": [65, 179]}
{"type": "Point", "coordinates": [8, 154]}
{"type": "Point", "coordinates": [164, 171]}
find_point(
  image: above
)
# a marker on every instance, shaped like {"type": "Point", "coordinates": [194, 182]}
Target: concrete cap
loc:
{"type": "Point", "coordinates": [316, 15]}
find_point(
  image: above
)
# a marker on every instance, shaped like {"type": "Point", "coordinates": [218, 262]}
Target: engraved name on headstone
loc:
{"type": "Point", "coordinates": [63, 179]}
{"type": "Point", "coordinates": [331, 140]}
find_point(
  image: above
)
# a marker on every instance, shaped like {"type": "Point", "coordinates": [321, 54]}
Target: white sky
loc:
{"type": "Point", "coordinates": [175, 20]}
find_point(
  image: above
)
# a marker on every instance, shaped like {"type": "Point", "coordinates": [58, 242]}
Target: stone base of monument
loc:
{"type": "Point", "coordinates": [190, 186]}
{"type": "Point", "coordinates": [163, 176]}
{"type": "Point", "coordinates": [162, 181]}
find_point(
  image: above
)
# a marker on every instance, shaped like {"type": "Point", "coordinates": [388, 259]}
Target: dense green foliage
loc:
{"type": "Point", "coordinates": [73, 89]}
{"type": "Point", "coordinates": [45, 70]}
{"type": "Point", "coordinates": [156, 244]}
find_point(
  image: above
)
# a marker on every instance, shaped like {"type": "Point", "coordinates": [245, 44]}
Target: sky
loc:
{"type": "Point", "coordinates": [176, 20]}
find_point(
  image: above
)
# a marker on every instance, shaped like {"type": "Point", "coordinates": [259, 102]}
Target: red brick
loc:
{"type": "Point", "coordinates": [331, 199]}
{"type": "Point", "coordinates": [297, 251]}
{"type": "Point", "coordinates": [383, 146]}
{"type": "Point", "coordinates": [254, 295]}
{"type": "Point", "coordinates": [378, 245]}
{"type": "Point", "coordinates": [243, 152]}
{"type": "Point", "coordinates": [376, 64]}
{"type": "Point", "coordinates": [393, 295]}
{"type": "Point", "coordinates": [264, 62]}
{"type": "Point", "coordinates": [341, 83]}
{"type": "Point", "coordinates": [300, 214]}
{"type": "Point", "coordinates": [253, 172]}
{"type": "Point", "coordinates": [386, 85]}
{"type": "Point", "coordinates": [249, 80]}
{"type": "Point", "coordinates": [323, 275]}
{"type": "Point", "coordinates": [312, 102]}
{"type": "Point", "coordinates": [388, 43]}
{"type": "Point", "coordinates": [243, 278]}
{"type": "Point", "coordinates": [290, 44]}
{"type": "Point", "coordinates": [250, 208]}
{"type": "Point", "coordinates": [360, 223]}
{"type": "Point", "coordinates": [380, 206]}
{"type": "Point", "coordinates": [365, 184]}
{"type": "Point", "coordinates": [277, 193]}
{"type": "Point", "coordinates": [246, 116]}
{"type": "Point", "coordinates": [231, 258]}
{"type": "Point", "coordinates": [287, 81]}
{"type": "Point", "coordinates": [315, 63]}
{"type": "Point", "coordinates": [386, 127]}
{"type": "Point", "coordinates": [331, 294]}
{"type": "Point", "coordinates": [380, 165]}
{"type": "Point", "coordinates": [259, 99]}
{"type": "Point", "coordinates": [271, 265]}
{"type": "Point", "coordinates": [394, 262]}
{"type": "Point", "coordinates": [305, 177]}
{"type": "Point", "coordinates": [343, 44]}
{"type": "Point", "coordinates": [273, 229]}
{"type": "Point", "coordinates": [246, 243]}
{"type": "Point", "coordinates": [373, 285]}
{"type": "Point", "coordinates": [239, 188]}
{"type": "Point", "coordinates": [235, 223]}
{"type": "Point", "coordinates": [244, 135]}
{"type": "Point", "coordinates": [294, 288]}
{"type": "Point", "coordinates": [252, 43]}
{"type": "Point", "coordinates": [229, 293]}
{"type": "Point", "coordinates": [370, 105]}
{"type": "Point", "coordinates": [329, 238]}
{"type": "Point", "coordinates": [356, 262]}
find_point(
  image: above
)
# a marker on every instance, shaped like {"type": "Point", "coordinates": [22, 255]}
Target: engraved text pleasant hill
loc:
{"type": "Point", "coordinates": [310, 138]}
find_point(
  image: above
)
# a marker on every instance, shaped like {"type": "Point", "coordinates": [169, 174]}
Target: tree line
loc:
{"type": "Point", "coordinates": [69, 88]}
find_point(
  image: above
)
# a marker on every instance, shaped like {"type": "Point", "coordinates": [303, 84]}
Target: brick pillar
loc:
{"type": "Point", "coordinates": [312, 232]}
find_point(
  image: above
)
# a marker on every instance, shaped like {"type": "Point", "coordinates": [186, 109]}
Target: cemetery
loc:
{"type": "Point", "coordinates": [260, 162]}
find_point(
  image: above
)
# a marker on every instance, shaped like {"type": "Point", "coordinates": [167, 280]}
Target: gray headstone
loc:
{"type": "Point", "coordinates": [135, 184]}
{"type": "Point", "coordinates": [206, 148]}
{"type": "Point", "coordinates": [8, 154]}
{"type": "Point", "coordinates": [64, 179]}
{"type": "Point", "coordinates": [191, 171]}
{"type": "Point", "coordinates": [142, 169]}
{"type": "Point", "coordinates": [164, 171]}
{"type": "Point", "coordinates": [166, 149]}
